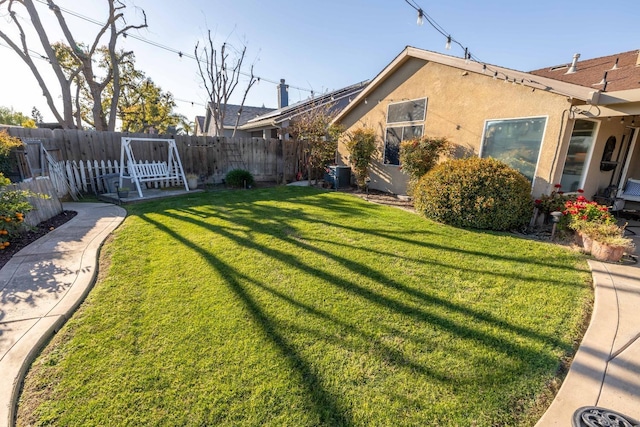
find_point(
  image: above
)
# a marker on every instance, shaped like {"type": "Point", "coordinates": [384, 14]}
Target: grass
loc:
{"type": "Point", "coordinates": [294, 307]}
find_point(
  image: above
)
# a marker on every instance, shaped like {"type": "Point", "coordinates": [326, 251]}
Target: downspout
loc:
{"type": "Point", "coordinates": [555, 156]}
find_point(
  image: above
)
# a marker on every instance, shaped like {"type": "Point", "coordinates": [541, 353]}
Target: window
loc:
{"type": "Point", "coordinates": [577, 155]}
{"type": "Point", "coordinates": [515, 142]}
{"type": "Point", "coordinates": [405, 120]}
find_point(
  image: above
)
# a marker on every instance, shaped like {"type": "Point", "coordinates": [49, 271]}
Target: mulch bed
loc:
{"type": "Point", "coordinates": [34, 234]}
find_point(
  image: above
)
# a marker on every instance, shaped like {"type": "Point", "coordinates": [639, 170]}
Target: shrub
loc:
{"type": "Point", "coordinates": [7, 143]}
{"type": "Point", "coordinates": [361, 145]}
{"type": "Point", "coordinates": [239, 178]}
{"type": "Point", "coordinates": [475, 193]}
{"type": "Point", "coordinates": [418, 156]}
{"type": "Point", "coordinates": [13, 207]}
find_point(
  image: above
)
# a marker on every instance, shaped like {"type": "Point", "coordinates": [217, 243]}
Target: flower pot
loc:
{"type": "Point", "coordinates": [584, 241]}
{"type": "Point", "coordinates": [123, 194]}
{"type": "Point", "coordinates": [604, 252]}
{"type": "Point", "coordinates": [192, 183]}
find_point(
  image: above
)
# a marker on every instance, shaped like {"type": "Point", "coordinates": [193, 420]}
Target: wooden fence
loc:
{"type": "Point", "coordinates": [209, 157]}
{"type": "Point", "coordinates": [94, 177]}
{"type": "Point", "coordinates": [43, 207]}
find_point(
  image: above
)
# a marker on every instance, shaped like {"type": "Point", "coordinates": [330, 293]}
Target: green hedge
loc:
{"type": "Point", "coordinates": [475, 193]}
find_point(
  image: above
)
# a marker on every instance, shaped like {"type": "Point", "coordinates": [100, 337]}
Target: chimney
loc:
{"type": "Point", "coordinates": [574, 64]}
{"type": "Point", "coordinates": [283, 94]}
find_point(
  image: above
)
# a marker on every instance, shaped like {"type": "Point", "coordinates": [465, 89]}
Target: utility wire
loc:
{"type": "Point", "coordinates": [468, 56]}
{"type": "Point", "coordinates": [180, 53]}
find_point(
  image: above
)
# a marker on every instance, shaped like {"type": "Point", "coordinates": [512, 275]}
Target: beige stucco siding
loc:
{"type": "Point", "coordinates": [458, 105]}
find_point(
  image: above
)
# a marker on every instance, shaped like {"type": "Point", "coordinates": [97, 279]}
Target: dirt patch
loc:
{"type": "Point", "coordinates": [33, 234]}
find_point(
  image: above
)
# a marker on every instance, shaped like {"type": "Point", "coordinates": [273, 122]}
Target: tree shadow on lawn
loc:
{"type": "Point", "coordinates": [327, 406]}
{"type": "Point", "coordinates": [345, 205]}
{"type": "Point", "coordinates": [371, 274]}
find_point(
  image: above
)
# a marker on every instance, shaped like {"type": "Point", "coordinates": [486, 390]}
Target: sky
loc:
{"type": "Point", "coordinates": [323, 45]}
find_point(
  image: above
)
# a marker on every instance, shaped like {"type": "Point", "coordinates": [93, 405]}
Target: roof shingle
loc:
{"type": "Point", "coordinates": [590, 72]}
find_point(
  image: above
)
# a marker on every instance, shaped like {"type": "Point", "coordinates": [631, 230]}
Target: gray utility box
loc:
{"type": "Point", "coordinates": [338, 176]}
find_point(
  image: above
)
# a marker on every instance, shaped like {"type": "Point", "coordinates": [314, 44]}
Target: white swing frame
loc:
{"type": "Point", "coordinates": [150, 172]}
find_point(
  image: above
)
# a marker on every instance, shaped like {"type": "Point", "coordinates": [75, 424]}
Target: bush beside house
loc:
{"type": "Point", "coordinates": [418, 156]}
{"type": "Point", "coordinates": [361, 145]}
{"type": "Point", "coordinates": [475, 193]}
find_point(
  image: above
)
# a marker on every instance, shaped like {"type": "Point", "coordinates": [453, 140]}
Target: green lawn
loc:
{"type": "Point", "coordinates": [291, 306]}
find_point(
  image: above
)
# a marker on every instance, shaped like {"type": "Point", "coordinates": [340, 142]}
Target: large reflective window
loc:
{"type": "Point", "coordinates": [515, 142]}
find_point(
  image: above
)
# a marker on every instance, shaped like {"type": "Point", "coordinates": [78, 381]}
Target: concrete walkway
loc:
{"type": "Point", "coordinates": [42, 285]}
{"type": "Point", "coordinates": [45, 282]}
{"type": "Point", "coordinates": [606, 369]}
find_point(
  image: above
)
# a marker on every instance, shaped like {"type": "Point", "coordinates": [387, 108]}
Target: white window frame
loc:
{"type": "Point", "coordinates": [414, 123]}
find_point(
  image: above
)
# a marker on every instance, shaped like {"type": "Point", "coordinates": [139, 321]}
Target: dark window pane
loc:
{"type": "Point", "coordinates": [408, 111]}
{"type": "Point", "coordinates": [411, 132]}
{"type": "Point", "coordinates": [392, 146]}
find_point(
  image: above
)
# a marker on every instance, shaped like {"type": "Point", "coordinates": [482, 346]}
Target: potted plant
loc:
{"type": "Point", "coordinates": [192, 181]}
{"type": "Point", "coordinates": [584, 217]}
{"type": "Point", "coordinates": [609, 243]}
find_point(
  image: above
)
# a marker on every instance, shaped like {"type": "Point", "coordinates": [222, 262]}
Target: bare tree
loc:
{"type": "Point", "coordinates": [220, 75]}
{"type": "Point", "coordinates": [82, 55]}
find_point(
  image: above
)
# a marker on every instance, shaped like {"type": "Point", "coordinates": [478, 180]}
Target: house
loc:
{"type": "Point", "coordinates": [574, 124]}
{"type": "Point", "coordinates": [260, 122]}
{"type": "Point", "coordinates": [241, 114]}
{"type": "Point", "coordinates": [199, 126]}
{"type": "Point", "coordinates": [275, 123]}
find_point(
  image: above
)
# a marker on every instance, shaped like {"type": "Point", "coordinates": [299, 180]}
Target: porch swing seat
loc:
{"type": "Point", "coordinates": [631, 191]}
{"type": "Point", "coordinates": [143, 172]}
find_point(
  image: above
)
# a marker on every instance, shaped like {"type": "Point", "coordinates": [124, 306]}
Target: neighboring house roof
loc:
{"type": "Point", "coordinates": [338, 99]}
{"type": "Point", "coordinates": [246, 113]}
{"type": "Point", "coordinates": [200, 123]}
{"type": "Point", "coordinates": [623, 72]}
{"type": "Point", "coordinates": [588, 95]}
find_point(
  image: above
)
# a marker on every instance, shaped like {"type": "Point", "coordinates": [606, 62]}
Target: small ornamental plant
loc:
{"type": "Point", "coordinates": [7, 144]}
{"type": "Point", "coordinates": [361, 145]}
{"type": "Point", "coordinates": [582, 212]}
{"type": "Point", "coordinates": [608, 234]}
{"type": "Point", "coordinates": [13, 207]}
{"type": "Point", "coordinates": [556, 201]}
{"type": "Point", "coordinates": [239, 178]}
{"type": "Point", "coordinates": [418, 156]}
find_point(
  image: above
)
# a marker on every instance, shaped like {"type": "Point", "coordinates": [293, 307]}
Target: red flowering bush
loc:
{"type": "Point", "coordinates": [582, 212]}
{"type": "Point", "coordinates": [554, 202]}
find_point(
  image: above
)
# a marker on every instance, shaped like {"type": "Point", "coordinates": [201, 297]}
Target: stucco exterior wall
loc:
{"type": "Point", "coordinates": [458, 104]}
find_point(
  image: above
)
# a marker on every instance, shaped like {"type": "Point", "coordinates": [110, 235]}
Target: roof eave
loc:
{"type": "Point", "coordinates": [570, 90]}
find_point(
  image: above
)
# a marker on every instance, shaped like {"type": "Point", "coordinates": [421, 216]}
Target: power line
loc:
{"type": "Point", "coordinates": [468, 56]}
{"type": "Point", "coordinates": [180, 53]}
